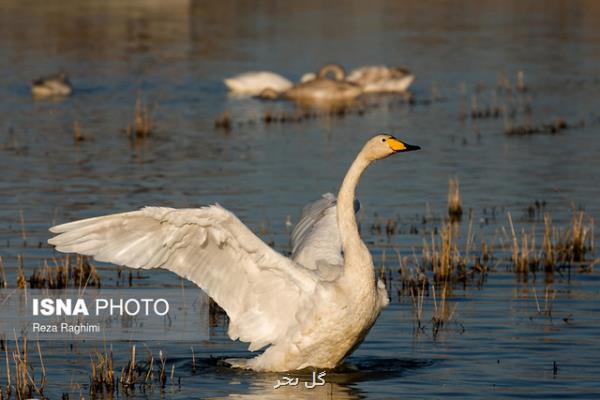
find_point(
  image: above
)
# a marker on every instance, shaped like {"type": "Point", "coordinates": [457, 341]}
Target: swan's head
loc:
{"type": "Point", "coordinates": [382, 146]}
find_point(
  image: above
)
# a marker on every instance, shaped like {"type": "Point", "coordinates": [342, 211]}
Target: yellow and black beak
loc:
{"type": "Point", "coordinates": [399, 146]}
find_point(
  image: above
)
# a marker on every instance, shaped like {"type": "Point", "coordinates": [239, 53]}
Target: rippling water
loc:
{"type": "Point", "coordinates": [175, 56]}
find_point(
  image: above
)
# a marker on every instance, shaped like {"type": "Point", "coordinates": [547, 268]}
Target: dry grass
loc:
{"type": "Point", "coordinates": [3, 281]}
{"type": "Point", "coordinates": [134, 374]}
{"type": "Point", "coordinates": [547, 244]}
{"type": "Point", "coordinates": [442, 314]}
{"type": "Point", "coordinates": [102, 376]}
{"type": "Point", "coordinates": [558, 247]}
{"type": "Point", "coordinates": [143, 124]}
{"type": "Point", "coordinates": [520, 254]}
{"type": "Point", "coordinates": [21, 281]}
{"type": "Point", "coordinates": [49, 277]}
{"type": "Point", "coordinates": [85, 273]}
{"type": "Point", "coordinates": [455, 210]}
{"type": "Point", "coordinates": [581, 237]}
{"type": "Point", "coordinates": [63, 275]}
{"type": "Point", "coordinates": [193, 360]}
{"type": "Point", "coordinates": [417, 295]}
{"type": "Point", "coordinates": [443, 256]}
{"type": "Point", "coordinates": [77, 133]}
{"type": "Point", "coordinates": [21, 375]}
{"type": "Point", "coordinates": [128, 374]}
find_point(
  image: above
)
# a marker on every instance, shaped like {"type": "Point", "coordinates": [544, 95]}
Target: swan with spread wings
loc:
{"type": "Point", "coordinates": [309, 310]}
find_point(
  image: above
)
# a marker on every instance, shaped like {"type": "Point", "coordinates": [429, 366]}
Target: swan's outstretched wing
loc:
{"type": "Point", "coordinates": [316, 242]}
{"type": "Point", "coordinates": [263, 292]}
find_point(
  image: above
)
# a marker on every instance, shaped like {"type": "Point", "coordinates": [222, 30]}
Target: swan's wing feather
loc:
{"type": "Point", "coordinates": [262, 291]}
{"type": "Point", "coordinates": [316, 242]}
{"type": "Point", "coordinates": [311, 213]}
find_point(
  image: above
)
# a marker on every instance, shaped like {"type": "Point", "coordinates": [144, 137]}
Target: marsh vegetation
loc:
{"type": "Point", "coordinates": [486, 240]}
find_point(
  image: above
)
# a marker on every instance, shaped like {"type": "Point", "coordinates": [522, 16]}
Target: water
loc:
{"type": "Point", "coordinates": [175, 56]}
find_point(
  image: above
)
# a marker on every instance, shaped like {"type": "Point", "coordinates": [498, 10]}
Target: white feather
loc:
{"type": "Point", "coordinates": [316, 241]}
{"type": "Point", "coordinates": [210, 247]}
{"type": "Point", "coordinates": [254, 83]}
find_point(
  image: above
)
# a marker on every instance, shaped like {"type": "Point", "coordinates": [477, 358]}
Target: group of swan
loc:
{"type": "Point", "coordinates": [323, 86]}
{"type": "Point", "coordinates": [52, 86]}
{"type": "Point", "coordinates": [311, 310]}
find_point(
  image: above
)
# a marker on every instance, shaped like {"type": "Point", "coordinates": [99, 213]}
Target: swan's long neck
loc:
{"type": "Point", "coordinates": [346, 218]}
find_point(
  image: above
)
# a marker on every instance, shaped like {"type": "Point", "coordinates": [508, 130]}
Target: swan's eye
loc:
{"type": "Point", "coordinates": [383, 140]}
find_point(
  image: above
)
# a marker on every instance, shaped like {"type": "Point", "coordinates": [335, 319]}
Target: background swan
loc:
{"type": "Point", "coordinates": [379, 78]}
{"type": "Point", "coordinates": [328, 86]}
{"type": "Point", "coordinates": [254, 83]}
{"type": "Point", "coordinates": [312, 309]}
{"type": "Point", "coordinates": [52, 85]}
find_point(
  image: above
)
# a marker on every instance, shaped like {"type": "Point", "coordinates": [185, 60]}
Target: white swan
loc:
{"type": "Point", "coordinates": [52, 85]}
{"type": "Point", "coordinates": [379, 78]}
{"type": "Point", "coordinates": [323, 88]}
{"type": "Point", "coordinates": [254, 83]}
{"type": "Point", "coordinates": [312, 309]}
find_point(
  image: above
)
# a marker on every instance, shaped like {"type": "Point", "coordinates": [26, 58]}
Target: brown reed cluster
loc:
{"type": "Point", "coordinates": [558, 247]}
{"type": "Point", "coordinates": [443, 257]}
{"type": "Point", "coordinates": [102, 375]}
{"type": "Point", "coordinates": [23, 377]}
{"type": "Point", "coordinates": [62, 275]}
{"type": "Point", "coordinates": [442, 313]}
{"type": "Point", "coordinates": [134, 374]}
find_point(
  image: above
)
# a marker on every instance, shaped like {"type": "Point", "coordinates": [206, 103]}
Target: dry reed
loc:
{"type": "Point", "coordinates": [143, 125]}
{"type": "Point", "coordinates": [102, 376]}
{"type": "Point", "coordinates": [558, 247]}
{"type": "Point", "coordinates": [442, 314]}
{"type": "Point", "coordinates": [520, 254]}
{"type": "Point", "coordinates": [62, 275]}
{"type": "Point", "coordinates": [3, 281]}
{"type": "Point", "coordinates": [443, 255]}
{"type": "Point", "coordinates": [21, 281]}
{"type": "Point", "coordinates": [133, 374]}
{"type": "Point", "coordinates": [455, 210]}
{"type": "Point", "coordinates": [23, 379]}
{"type": "Point", "coordinates": [77, 134]}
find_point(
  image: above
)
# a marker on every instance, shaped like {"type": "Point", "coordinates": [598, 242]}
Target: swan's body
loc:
{"type": "Point", "coordinates": [312, 309]}
{"type": "Point", "coordinates": [254, 83]}
{"type": "Point", "coordinates": [53, 85]}
{"type": "Point", "coordinates": [379, 78]}
{"type": "Point", "coordinates": [323, 89]}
